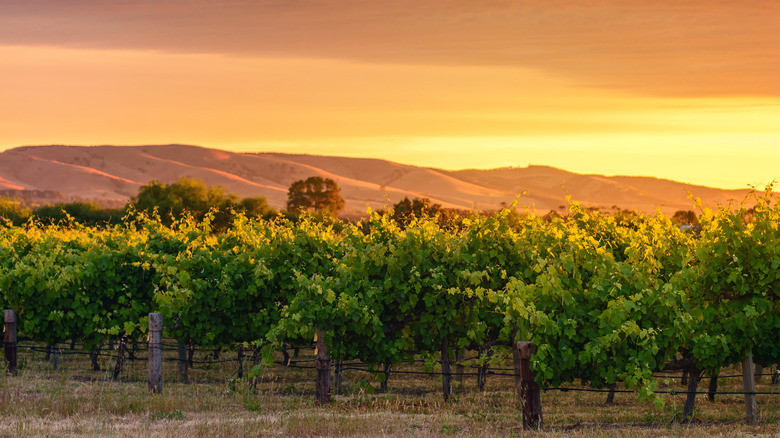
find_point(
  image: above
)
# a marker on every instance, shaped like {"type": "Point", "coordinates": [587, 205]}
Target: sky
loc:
{"type": "Point", "coordinates": [688, 90]}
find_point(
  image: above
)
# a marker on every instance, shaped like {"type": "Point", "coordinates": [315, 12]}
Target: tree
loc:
{"type": "Point", "coordinates": [418, 207]}
{"type": "Point", "coordinates": [85, 213]}
{"type": "Point", "coordinates": [185, 195]}
{"type": "Point", "coordinates": [194, 197]}
{"type": "Point", "coordinates": [256, 206]}
{"type": "Point", "coordinates": [11, 212]}
{"type": "Point", "coordinates": [685, 217]}
{"type": "Point", "coordinates": [405, 210]}
{"type": "Point", "coordinates": [316, 193]}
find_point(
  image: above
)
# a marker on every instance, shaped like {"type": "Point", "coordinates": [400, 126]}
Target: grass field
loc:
{"type": "Point", "coordinates": [77, 401]}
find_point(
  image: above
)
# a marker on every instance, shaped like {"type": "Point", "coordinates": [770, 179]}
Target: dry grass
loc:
{"type": "Point", "coordinates": [76, 401]}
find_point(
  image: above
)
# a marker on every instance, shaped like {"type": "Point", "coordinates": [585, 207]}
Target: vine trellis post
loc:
{"type": "Point", "coordinates": [9, 318]}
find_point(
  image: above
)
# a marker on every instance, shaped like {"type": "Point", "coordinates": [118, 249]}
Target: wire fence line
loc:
{"type": "Point", "coordinates": [496, 371]}
{"type": "Point", "coordinates": [356, 366]}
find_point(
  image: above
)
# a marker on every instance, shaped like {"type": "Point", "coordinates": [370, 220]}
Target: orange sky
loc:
{"type": "Point", "coordinates": [689, 92]}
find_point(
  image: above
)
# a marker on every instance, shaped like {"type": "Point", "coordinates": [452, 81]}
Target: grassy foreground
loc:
{"type": "Point", "coordinates": [77, 401]}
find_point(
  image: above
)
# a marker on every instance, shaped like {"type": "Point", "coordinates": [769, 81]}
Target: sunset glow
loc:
{"type": "Point", "coordinates": [631, 87]}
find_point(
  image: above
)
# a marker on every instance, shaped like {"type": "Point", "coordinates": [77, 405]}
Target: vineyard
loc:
{"type": "Point", "coordinates": [611, 302]}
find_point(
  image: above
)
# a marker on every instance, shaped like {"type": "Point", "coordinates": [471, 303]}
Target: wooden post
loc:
{"type": "Point", "coordinates": [9, 318]}
{"type": "Point", "coordinates": [446, 374]}
{"type": "Point", "coordinates": [183, 364]}
{"type": "Point", "coordinates": [322, 367]}
{"type": "Point", "coordinates": [530, 396]}
{"type": "Point", "coordinates": [155, 381]}
{"type": "Point", "coordinates": [749, 385]}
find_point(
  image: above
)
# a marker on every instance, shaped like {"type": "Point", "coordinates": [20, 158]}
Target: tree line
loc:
{"type": "Point", "coordinates": [320, 197]}
{"type": "Point", "coordinates": [185, 197]}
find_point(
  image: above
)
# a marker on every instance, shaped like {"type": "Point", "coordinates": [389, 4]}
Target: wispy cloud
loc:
{"type": "Point", "coordinates": [661, 47]}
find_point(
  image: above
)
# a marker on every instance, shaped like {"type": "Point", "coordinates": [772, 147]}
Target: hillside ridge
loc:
{"type": "Point", "coordinates": [110, 175]}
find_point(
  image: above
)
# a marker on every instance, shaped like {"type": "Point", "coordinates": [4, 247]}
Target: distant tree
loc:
{"type": "Point", "coordinates": [405, 210]}
{"type": "Point", "coordinates": [86, 213]}
{"type": "Point", "coordinates": [315, 193]}
{"type": "Point", "coordinates": [515, 218]}
{"type": "Point", "coordinates": [255, 207]}
{"type": "Point", "coordinates": [685, 217]}
{"type": "Point", "coordinates": [194, 197]}
{"type": "Point", "coordinates": [11, 213]}
{"type": "Point", "coordinates": [628, 218]}
{"type": "Point", "coordinates": [552, 216]}
{"type": "Point", "coordinates": [185, 195]}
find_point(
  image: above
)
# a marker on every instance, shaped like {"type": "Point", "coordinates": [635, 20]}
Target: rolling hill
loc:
{"type": "Point", "coordinates": [110, 175]}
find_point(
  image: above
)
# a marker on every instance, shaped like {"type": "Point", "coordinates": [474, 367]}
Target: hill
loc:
{"type": "Point", "coordinates": [110, 175]}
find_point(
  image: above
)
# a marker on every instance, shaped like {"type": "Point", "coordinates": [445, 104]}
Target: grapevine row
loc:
{"type": "Point", "coordinates": [607, 301]}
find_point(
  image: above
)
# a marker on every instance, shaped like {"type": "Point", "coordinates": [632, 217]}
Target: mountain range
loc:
{"type": "Point", "coordinates": [110, 175]}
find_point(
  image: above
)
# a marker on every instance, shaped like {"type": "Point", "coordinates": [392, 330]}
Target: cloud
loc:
{"type": "Point", "coordinates": [660, 47]}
